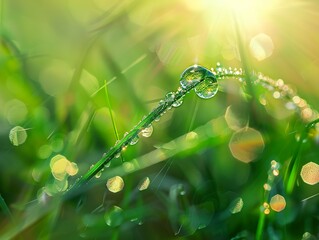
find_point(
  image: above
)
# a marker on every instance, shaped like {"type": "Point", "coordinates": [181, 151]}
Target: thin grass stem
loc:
{"type": "Point", "coordinates": [294, 165]}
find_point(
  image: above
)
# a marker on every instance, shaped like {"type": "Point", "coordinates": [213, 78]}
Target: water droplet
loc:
{"type": "Point", "coordinates": [157, 119]}
{"type": "Point", "coordinates": [208, 88]}
{"type": "Point", "coordinates": [17, 135]}
{"type": "Point", "coordinates": [267, 187]}
{"type": "Point", "coordinates": [177, 103]}
{"type": "Point", "coordinates": [236, 206]}
{"type": "Point", "coordinates": [114, 217]}
{"type": "Point", "coordinates": [134, 140]}
{"type": "Point", "coordinates": [144, 184]}
{"type": "Point", "coordinates": [108, 164]}
{"type": "Point", "coordinates": [308, 236]}
{"type": "Point", "coordinates": [276, 95]}
{"type": "Point", "coordinates": [147, 131]}
{"type": "Point", "coordinates": [219, 68]}
{"type": "Point", "coordinates": [169, 97]}
{"type": "Point", "coordinates": [192, 76]}
{"type": "Point", "coordinates": [115, 184]}
{"type": "Point", "coordinates": [98, 175]}
{"type": "Point", "coordinates": [280, 83]}
{"type": "Point", "coordinates": [275, 172]}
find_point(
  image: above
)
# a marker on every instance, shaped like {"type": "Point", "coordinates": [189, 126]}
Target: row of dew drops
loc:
{"type": "Point", "coordinates": [206, 87]}
{"type": "Point", "coordinates": [61, 168]}
{"type": "Point", "coordinates": [204, 82]}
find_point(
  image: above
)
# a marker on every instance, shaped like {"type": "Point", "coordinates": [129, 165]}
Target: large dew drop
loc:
{"type": "Point", "coordinates": [195, 74]}
{"type": "Point", "coordinates": [192, 76]}
{"type": "Point", "coordinates": [208, 88]}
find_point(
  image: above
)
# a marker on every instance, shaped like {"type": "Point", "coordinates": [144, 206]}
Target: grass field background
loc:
{"type": "Point", "coordinates": [207, 161]}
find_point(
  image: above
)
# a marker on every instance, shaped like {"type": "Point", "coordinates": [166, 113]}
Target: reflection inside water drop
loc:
{"type": "Point", "coordinates": [192, 76]}
{"type": "Point", "coordinates": [134, 140]}
{"type": "Point", "coordinates": [195, 74]}
{"type": "Point", "coordinates": [208, 88]}
{"type": "Point", "coordinates": [147, 131]}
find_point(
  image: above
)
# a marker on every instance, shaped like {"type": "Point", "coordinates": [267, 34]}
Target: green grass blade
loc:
{"type": "Point", "coordinates": [110, 111]}
{"type": "Point", "coordinates": [294, 165]}
{"type": "Point", "coordinates": [5, 209]}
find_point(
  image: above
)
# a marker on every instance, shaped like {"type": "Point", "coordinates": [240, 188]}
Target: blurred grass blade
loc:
{"type": "Point", "coordinates": [110, 110]}
{"type": "Point", "coordinates": [194, 113]}
{"type": "Point", "coordinates": [294, 165]}
{"type": "Point", "coordinates": [5, 209]}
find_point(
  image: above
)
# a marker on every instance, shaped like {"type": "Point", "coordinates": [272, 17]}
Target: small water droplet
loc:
{"type": "Point", "coordinates": [134, 140]}
{"type": "Point", "coordinates": [157, 119]}
{"type": "Point", "coordinates": [114, 217]}
{"type": "Point", "coordinates": [108, 164]}
{"type": "Point", "coordinates": [115, 184]}
{"type": "Point", "coordinates": [144, 184]}
{"type": "Point", "coordinates": [117, 155]}
{"type": "Point", "coordinates": [236, 206]}
{"type": "Point", "coordinates": [170, 97]}
{"type": "Point", "coordinates": [147, 131]}
{"type": "Point", "coordinates": [98, 175]}
{"type": "Point", "coordinates": [177, 103]}
{"type": "Point", "coordinates": [219, 69]}
{"type": "Point", "coordinates": [276, 95]}
{"type": "Point", "coordinates": [17, 135]}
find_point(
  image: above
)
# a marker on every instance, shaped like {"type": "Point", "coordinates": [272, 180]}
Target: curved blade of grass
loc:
{"type": "Point", "coordinates": [162, 107]}
{"type": "Point", "coordinates": [110, 111]}
{"type": "Point", "coordinates": [294, 165]}
{"type": "Point", "coordinates": [216, 129]}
